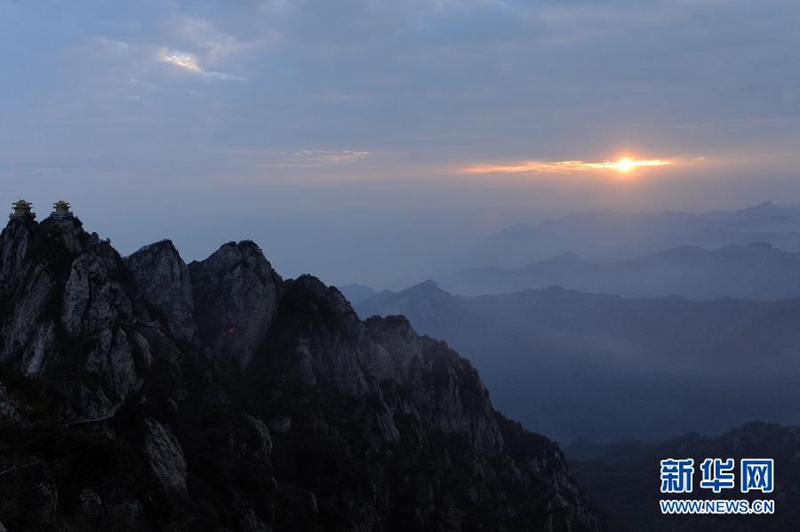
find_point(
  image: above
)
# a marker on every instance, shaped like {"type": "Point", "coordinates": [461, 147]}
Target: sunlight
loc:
{"type": "Point", "coordinates": [623, 165]}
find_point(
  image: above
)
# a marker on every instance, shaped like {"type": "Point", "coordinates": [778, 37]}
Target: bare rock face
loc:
{"type": "Point", "coordinates": [165, 456]}
{"type": "Point", "coordinates": [260, 440]}
{"type": "Point", "coordinates": [164, 279]}
{"type": "Point", "coordinates": [69, 315]}
{"type": "Point", "coordinates": [327, 344]}
{"type": "Point", "coordinates": [447, 389]}
{"type": "Point", "coordinates": [236, 297]}
{"type": "Point", "coordinates": [15, 239]}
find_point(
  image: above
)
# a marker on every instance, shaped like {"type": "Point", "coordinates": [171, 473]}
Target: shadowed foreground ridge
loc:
{"type": "Point", "coordinates": [140, 393]}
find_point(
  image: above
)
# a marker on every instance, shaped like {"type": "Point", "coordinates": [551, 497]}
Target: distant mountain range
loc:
{"type": "Point", "coordinates": [610, 236]}
{"type": "Point", "coordinates": [573, 365]}
{"type": "Point", "coordinates": [623, 478]}
{"type": "Point", "coordinates": [754, 271]}
{"type": "Point", "coordinates": [356, 293]}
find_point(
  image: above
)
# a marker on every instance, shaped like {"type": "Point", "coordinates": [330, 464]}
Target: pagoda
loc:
{"type": "Point", "coordinates": [61, 210]}
{"type": "Point", "coordinates": [22, 210]}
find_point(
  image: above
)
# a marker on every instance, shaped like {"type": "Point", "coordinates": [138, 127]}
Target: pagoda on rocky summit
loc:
{"type": "Point", "coordinates": [61, 211]}
{"type": "Point", "coordinates": [22, 210]}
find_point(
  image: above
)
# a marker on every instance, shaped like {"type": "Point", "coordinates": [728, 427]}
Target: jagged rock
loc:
{"type": "Point", "coordinates": [29, 316]}
{"type": "Point", "coordinates": [14, 242]}
{"type": "Point", "coordinates": [261, 446]}
{"type": "Point", "coordinates": [164, 279]}
{"type": "Point", "coordinates": [70, 310]}
{"type": "Point", "coordinates": [8, 413]}
{"type": "Point", "coordinates": [236, 296]}
{"type": "Point", "coordinates": [332, 346]}
{"type": "Point", "coordinates": [165, 456]}
{"type": "Point", "coordinates": [93, 301]}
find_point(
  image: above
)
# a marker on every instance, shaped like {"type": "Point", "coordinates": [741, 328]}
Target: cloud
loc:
{"type": "Point", "coordinates": [197, 46]}
{"type": "Point", "coordinates": [624, 164]}
{"type": "Point", "coordinates": [211, 44]}
{"type": "Point", "coordinates": [310, 158]}
{"type": "Point", "coordinates": [184, 61]}
{"type": "Point", "coordinates": [190, 64]}
{"type": "Point", "coordinates": [190, 45]}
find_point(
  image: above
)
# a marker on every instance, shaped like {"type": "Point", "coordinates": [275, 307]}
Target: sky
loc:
{"type": "Point", "coordinates": [360, 140]}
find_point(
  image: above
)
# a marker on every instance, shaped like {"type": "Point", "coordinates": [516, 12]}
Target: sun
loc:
{"type": "Point", "coordinates": [625, 165]}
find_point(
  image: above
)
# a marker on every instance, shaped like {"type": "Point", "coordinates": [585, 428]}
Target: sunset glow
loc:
{"type": "Point", "coordinates": [623, 165]}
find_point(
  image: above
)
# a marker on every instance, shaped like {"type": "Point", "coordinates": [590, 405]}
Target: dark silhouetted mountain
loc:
{"type": "Point", "coordinates": [145, 394]}
{"type": "Point", "coordinates": [623, 478]}
{"type": "Point", "coordinates": [754, 271]}
{"type": "Point", "coordinates": [571, 364]}
{"type": "Point", "coordinates": [604, 236]}
{"type": "Point", "coordinates": [356, 293]}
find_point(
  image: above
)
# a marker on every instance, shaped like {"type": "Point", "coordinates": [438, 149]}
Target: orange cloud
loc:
{"type": "Point", "coordinates": [625, 164]}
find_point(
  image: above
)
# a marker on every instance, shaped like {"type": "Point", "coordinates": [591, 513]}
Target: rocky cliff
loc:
{"type": "Point", "coordinates": [142, 393]}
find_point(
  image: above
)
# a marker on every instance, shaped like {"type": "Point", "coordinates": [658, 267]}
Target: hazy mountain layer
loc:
{"type": "Point", "coordinates": [604, 236]}
{"type": "Point", "coordinates": [145, 394]}
{"type": "Point", "coordinates": [604, 367]}
{"type": "Point", "coordinates": [356, 293]}
{"type": "Point", "coordinates": [755, 271]}
{"type": "Point", "coordinates": [623, 478]}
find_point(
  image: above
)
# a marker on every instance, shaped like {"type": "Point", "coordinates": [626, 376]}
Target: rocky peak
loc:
{"type": "Point", "coordinates": [164, 279]}
{"type": "Point", "coordinates": [319, 340]}
{"type": "Point", "coordinates": [68, 314]}
{"type": "Point", "coordinates": [14, 242]}
{"type": "Point", "coordinates": [24, 235]}
{"type": "Point", "coordinates": [236, 295]}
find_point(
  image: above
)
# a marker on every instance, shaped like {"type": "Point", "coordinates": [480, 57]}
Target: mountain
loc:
{"type": "Point", "coordinates": [356, 293]}
{"type": "Point", "coordinates": [624, 477]}
{"type": "Point", "coordinates": [604, 367]}
{"type": "Point", "coordinates": [604, 236]}
{"type": "Point", "coordinates": [142, 393]}
{"type": "Point", "coordinates": [754, 271]}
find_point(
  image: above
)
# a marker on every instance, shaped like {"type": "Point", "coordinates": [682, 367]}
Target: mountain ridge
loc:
{"type": "Point", "coordinates": [756, 271]}
{"type": "Point", "coordinates": [609, 235]}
